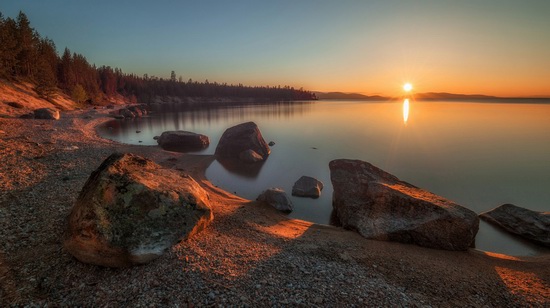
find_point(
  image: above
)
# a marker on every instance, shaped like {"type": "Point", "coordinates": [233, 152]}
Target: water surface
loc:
{"type": "Point", "coordinates": [480, 155]}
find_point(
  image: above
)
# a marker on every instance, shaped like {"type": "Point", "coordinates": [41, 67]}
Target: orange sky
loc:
{"type": "Point", "coordinates": [494, 47]}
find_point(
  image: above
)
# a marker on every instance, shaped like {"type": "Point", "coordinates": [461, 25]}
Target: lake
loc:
{"type": "Point", "coordinates": [478, 154]}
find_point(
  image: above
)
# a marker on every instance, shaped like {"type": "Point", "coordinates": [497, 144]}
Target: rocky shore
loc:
{"type": "Point", "coordinates": [250, 254]}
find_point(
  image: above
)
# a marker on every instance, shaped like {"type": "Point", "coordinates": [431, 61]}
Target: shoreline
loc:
{"type": "Point", "coordinates": [250, 254]}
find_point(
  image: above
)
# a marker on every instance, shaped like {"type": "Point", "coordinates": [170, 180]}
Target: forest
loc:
{"type": "Point", "coordinates": [26, 56]}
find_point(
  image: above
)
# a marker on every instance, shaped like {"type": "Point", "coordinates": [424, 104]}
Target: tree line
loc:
{"type": "Point", "coordinates": [25, 55]}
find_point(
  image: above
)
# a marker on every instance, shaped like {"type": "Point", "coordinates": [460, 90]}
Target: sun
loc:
{"type": "Point", "coordinates": [407, 87]}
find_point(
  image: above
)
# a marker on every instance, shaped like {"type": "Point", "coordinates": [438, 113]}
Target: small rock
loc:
{"type": "Point", "coordinates": [271, 143]}
{"type": "Point", "coordinates": [138, 131]}
{"type": "Point", "coordinates": [277, 198]}
{"type": "Point", "coordinates": [307, 187]}
{"type": "Point", "coordinates": [46, 114]}
{"type": "Point", "coordinates": [318, 300]}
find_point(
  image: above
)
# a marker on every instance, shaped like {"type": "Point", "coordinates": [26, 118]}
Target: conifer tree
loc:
{"type": "Point", "coordinates": [9, 48]}
{"type": "Point", "coordinates": [46, 83]}
{"type": "Point", "coordinates": [27, 52]}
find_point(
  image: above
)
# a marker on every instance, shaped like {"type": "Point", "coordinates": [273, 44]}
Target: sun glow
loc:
{"type": "Point", "coordinates": [407, 87]}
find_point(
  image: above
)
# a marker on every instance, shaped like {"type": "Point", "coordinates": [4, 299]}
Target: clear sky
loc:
{"type": "Point", "coordinates": [495, 47]}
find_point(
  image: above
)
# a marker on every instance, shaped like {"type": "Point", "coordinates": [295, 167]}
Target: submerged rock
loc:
{"type": "Point", "coordinates": [182, 141]}
{"type": "Point", "coordinates": [307, 187]}
{"type": "Point", "coordinates": [240, 138]}
{"type": "Point", "coordinates": [131, 210]}
{"type": "Point", "coordinates": [380, 206]}
{"type": "Point", "coordinates": [531, 225]}
{"type": "Point", "coordinates": [46, 114]}
{"type": "Point", "coordinates": [277, 198]}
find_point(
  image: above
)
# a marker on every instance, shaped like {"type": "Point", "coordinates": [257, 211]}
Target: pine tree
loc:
{"type": "Point", "coordinates": [27, 38]}
{"type": "Point", "coordinates": [65, 75]}
{"type": "Point", "coordinates": [46, 83]}
{"type": "Point", "coordinates": [9, 48]}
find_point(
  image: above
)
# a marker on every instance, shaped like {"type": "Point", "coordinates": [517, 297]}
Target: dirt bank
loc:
{"type": "Point", "coordinates": [250, 255]}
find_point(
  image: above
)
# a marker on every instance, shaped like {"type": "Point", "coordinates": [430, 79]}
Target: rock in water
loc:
{"type": "Point", "coordinates": [531, 225]}
{"type": "Point", "coordinates": [182, 141]}
{"type": "Point", "coordinates": [240, 138]}
{"type": "Point", "coordinates": [307, 187]}
{"type": "Point", "coordinates": [131, 210]}
{"type": "Point", "coordinates": [380, 206]}
{"type": "Point", "coordinates": [46, 114]}
{"type": "Point", "coordinates": [277, 198]}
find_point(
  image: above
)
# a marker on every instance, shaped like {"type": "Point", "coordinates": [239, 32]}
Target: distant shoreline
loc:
{"type": "Point", "coordinates": [421, 96]}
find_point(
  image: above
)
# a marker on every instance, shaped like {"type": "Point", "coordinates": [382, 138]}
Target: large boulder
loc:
{"type": "Point", "coordinates": [46, 114]}
{"type": "Point", "coordinates": [307, 187]}
{"type": "Point", "coordinates": [240, 138]}
{"type": "Point", "coordinates": [380, 206]}
{"type": "Point", "coordinates": [531, 225]}
{"type": "Point", "coordinates": [182, 141]}
{"type": "Point", "coordinates": [277, 198]}
{"type": "Point", "coordinates": [131, 210]}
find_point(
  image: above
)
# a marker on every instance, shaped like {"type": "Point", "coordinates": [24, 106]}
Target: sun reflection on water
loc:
{"type": "Point", "coordinates": [405, 110]}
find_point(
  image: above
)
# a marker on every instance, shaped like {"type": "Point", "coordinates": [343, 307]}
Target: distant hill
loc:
{"type": "Point", "coordinates": [342, 95]}
{"type": "Point", "coordinates": [418, 96]}
{"type": "Point", "coordinates": [445, 95]}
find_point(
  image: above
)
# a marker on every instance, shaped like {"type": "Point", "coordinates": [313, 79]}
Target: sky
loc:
{"type": "Point", "coordinates": [493, 47]}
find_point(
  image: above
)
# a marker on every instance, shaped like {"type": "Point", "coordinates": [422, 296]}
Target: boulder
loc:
{"type": "Point", "coordinates": [131, 210]}
{"type": "Point", "coordinates": [242, 137]}
{"type": "Point", "coordinates": [307, 187]}
{"type": "Point", "coordinates": [46, 114]}
{"type": "Point", "coordinates": [380, 206]}
{"type": "Point", "coordinates": [277, 198]}
{"type": "Point", "coordinates": [136, 110]}
{"type": "Point", "coordinates": [126, 113]}
{"type": "Point", "coordinates": [249, 156]}
{"type": "Point", "coordinates": [531, 225]}
{"type": "Point", "coordinates": [182, 141]}
{"type": "Point", "coordinates": [27, 116]}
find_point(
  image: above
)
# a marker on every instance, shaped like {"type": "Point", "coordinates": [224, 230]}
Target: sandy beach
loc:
{"type": "Point", "coordinates": [250, 255]}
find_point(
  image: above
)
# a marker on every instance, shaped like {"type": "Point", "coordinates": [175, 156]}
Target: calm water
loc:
{"type": "Point", "coordinates": [479, 155]}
